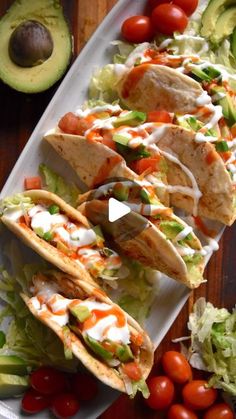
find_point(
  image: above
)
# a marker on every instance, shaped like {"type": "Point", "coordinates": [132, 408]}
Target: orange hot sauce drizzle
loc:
{"type": "Point", "coordinates": [101, 314]}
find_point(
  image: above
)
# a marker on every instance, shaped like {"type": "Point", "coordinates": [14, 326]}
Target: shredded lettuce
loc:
{"type": "Point", "coordinates": [17, 201]}
{"type": "Point", "coordinates": [139, 289]}
{"type": "Point", "coordinates": [102, 84]}
{"type": "Point", "coordinates": [213, 344]}
{"type": "Point", "coordinates": [57, 184]}
{"type": "Point", "coordinates": [26, 336]}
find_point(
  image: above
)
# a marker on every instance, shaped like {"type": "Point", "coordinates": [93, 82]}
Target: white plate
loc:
{"type": "Point", "coordinates": [71, 93]}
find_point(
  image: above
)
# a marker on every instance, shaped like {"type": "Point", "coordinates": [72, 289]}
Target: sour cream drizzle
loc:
{"type": "Point", "coordinates": [106, 321]}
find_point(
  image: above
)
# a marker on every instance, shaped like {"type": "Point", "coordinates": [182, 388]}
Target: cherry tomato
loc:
{"type": "Point", "coordinates": [34, 402]}
{"type": "Point", "coordinates": [47, 380]}
{"type": "Point", "coordinates": [176, 367]}
{"type": "Point", "coordinates": [154, 3]}
{"type": "Point", "coordinates": [188, 6]}
{"type": "Point", "coordinates": [197, 396]}
{"type": "Point", "coordinates": [219, 411]}
{"type": "Point", "coordinates": [159, 116]}
{"type": "Point", "coordinates": [137, 29]}
{"type": "Point", "coordinates": [65, 405]}
{"type": "Point", "coordinates": [161, 392]}
{"type": "Point", "coordinates": [85, 387]}
{"type": "Point", "coordinates": [168, 18]}
{"type": "Point", "coordinates": [179, 411]}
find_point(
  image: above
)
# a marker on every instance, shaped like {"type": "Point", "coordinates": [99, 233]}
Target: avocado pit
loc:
{"type": "Point", "coordinates": [30, 44]}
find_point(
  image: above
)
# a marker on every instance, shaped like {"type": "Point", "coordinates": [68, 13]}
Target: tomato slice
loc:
{"type": "Point", "coordinates": [34, 182]}
{"type": "Point", "coordinates": [159, 116]}
{"type": "Point", "coordinates": [132, 370]}
{"type": "Point", "coordinates": [140, 166]}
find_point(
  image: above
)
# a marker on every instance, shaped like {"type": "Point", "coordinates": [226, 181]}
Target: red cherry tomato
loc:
{"type": "Point", "coordinates": [159, 116]}
{"type": "Point", "coordinates": [161, 392]}
{"type": "Point", "coordinates": [65, 405]}
{"type": "Point", "coordinates": [85, 387]}
{"type": "Point", "coordinates": [168, 18]}
{"type": "Point", "coordinates": [179, 411]}
{"type": "Point", "coordinates": [154, 3]}
{"type": "Point", "coordinates": [219, 411]}
{"type": "Point", "coordinates": [34, 402]}
{"type": "Point", "coordinates": [176, 367]}
{"type": "Point", "coordinates": [47, 380]}
{"type": "Point", "coordinates": [137, 29]}
{"type": "Point", "coordinates": [197, 396]}
{"type": "Point", "coordinates": [188, 6]}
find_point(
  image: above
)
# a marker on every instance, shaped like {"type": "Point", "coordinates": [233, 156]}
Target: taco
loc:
{"type": "Point", "coordinates": [150, 233]}
{"type": "Point", "coordinates": [175, 159]}
{"type": "Point", "coordinates": [107, 341]}
{"type": "Point", "coordinates": [150, 87]}
{"type": "Point", "coordinates": [60, 234]}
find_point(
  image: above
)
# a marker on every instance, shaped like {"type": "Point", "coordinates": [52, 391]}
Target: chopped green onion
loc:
{"type": "Point", "coordinates": [54, 209]}
{"type": "Point", "coordinates": [221, 146]}
{"type": "Point", "coordinates": [47, 236]}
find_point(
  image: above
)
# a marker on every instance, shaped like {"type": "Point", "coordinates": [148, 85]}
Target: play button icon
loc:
{"type": "Point", "coordinates": [116, 210]}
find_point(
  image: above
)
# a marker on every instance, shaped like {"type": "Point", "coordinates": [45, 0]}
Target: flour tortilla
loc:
{"type": "Point", "coordinates": [93, 162]}
{"type": "Point", "coordinates": [103, 372]}
{"type": "Point", "coordinates": [42, 247]}
{"type": "Point", "coordinates": [148, 245]}
{"type": "Point", "coordinates": [159, 88]}
{"type": "Point", "coordinates": [213, 180]}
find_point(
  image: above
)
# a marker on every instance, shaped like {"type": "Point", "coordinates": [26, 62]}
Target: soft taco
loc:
{"type": "Point", "coordinates": [175, 159]}
{"type": "Point", "coordinates": [60, 234]}
{"type": "Point", "coordinates": [107, 341]}
{"type": "Point", "coordinates": [149, 87]}
{"type": "Point", "coordinates": [151, 233]}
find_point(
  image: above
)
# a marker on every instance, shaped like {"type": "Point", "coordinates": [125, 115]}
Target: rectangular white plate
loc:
{"type": "Point", "coordinates": [71, 93]}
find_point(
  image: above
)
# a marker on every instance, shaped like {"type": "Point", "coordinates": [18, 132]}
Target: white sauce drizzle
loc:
{"type": "Point", "coordinates": [184, 233]}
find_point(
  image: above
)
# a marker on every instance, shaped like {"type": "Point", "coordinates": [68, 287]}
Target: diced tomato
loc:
{"type": "Point", "coordinates": [211, 157]}
{"type": "Point", "coordinates": [159, 116]}
{"type": "Point", "coordinates": [225, 155]}
{"type": "Point", "coordinates": [34, 182]}
{"type": "Point", "coordinates": [132, 370]}
{"type": "Point", "coordinates": [72, 124]}
{"type": "Point", "coordinates": [140, 166]}
{"type": "Point", "coordinates": [137, 339]}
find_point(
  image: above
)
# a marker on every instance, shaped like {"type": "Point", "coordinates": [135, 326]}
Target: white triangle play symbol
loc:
{"type": "Point", "coordinates": [116, 210]}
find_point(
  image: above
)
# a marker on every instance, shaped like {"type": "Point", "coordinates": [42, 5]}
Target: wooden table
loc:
{"type": "Point", "coordinates": [19, 115]}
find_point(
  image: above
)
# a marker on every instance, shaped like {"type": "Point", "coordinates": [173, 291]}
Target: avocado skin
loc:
{"type": "Point", "coordinates": [11, 364]}
{"type": "Point", "coordinates": [211, 14]}
{"type": "Point", "coordinates": [12, 385]}
{"type": "Point", "coordinates": [39, 78]}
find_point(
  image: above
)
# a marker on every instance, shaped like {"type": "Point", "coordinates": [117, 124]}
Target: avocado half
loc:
{"type": "Point", "coordinates": [39, 77]}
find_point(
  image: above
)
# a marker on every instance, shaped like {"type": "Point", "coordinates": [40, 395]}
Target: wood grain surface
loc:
{"type": "Point", "coordinates": [20, 113]}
